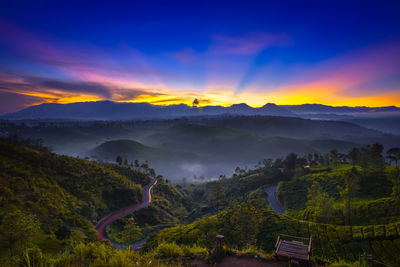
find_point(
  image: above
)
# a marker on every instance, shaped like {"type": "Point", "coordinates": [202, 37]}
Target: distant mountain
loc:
{"type": "Point", "coordinates": [108, 110]}
{"type": "Point", "coordinates": [318, 108]}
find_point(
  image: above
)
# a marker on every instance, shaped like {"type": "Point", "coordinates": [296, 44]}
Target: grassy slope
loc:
{"type": "Point", "coordinates": [63, 191]}
{"type": "Point", "coordinates": [375, 225]}
{"type": "Point", "coordinates": [293, 193]}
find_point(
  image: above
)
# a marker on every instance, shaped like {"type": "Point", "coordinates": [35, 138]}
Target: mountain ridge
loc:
{"type": "Point", "coordinates": [109, 110]}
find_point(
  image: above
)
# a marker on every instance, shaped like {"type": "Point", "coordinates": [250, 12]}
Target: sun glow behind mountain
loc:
{"type": "Point", "coordinates": [219, 61]}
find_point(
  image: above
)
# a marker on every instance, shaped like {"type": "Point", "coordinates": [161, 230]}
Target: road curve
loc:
{"type": "Point", "coordinates": [108, 219]}
{"type": "Point", "coordinates": [273, 200]}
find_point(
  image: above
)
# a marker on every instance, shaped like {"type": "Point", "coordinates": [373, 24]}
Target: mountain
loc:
{"type": "Point", "coordinates": [318, 108]}
{"type": "Point", "coordinates": [108, 110]}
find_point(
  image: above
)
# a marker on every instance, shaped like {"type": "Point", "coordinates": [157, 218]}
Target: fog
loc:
{"type": "Point", "coordinates": [203, 148]}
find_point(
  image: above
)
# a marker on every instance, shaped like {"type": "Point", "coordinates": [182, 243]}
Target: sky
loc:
{"type": "Point", "coordinates": [219, 52]}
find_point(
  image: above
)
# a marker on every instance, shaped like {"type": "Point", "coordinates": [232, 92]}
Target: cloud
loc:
{"type": "Point", "coordinates": [70, 87]}
{"type": "Point", "coordinates": [128, 94]}
{"type": "Point", "coordinates": [10, 102]}
{"type": "Point", "coordinates": [249, 44]}
{"type": "Point", "coordinates": [245, 45]}
{"type": "Point", "coordinates": [187, 55]}
{"type": "Point", "coordinates": [85, 62]}
{"type": "Point", "coordinates": [59, 91]}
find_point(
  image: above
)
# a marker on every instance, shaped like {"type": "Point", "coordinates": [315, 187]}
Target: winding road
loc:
{"type": "Point", "coordinates": [107, 220]}
{"type": "Point", "coordinates": [273, 200]}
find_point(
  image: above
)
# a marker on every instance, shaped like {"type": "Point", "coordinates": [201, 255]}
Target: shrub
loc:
{"type": "Point", "coordinates": [169, 250]}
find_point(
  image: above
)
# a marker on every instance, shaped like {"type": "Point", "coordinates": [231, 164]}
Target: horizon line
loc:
{"type": "Point", "coordinates": [199, 106]}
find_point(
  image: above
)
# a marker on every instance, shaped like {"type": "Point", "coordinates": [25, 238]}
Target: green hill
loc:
{"type": "Point", "coordinates": [64, 196]}
{"type": "Point", "coordinates": [125, 148]}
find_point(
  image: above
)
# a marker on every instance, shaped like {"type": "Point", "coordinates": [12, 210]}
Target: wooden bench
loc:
{"type": "Point", "coordinates": [290, 247]}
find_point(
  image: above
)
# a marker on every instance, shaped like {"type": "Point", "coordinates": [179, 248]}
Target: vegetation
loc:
{"type": "Point", "coordinates": [50, 201]}
{"type": "Point", "coordinates": [49, 204]}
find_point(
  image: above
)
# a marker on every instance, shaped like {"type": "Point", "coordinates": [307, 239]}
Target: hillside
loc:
{"type": "Point", "coordinates": [51, 203]}
{"type": "Point", "coordinates": [66, 196]}
{"type": "Point", "coordinates": [299, 128]}
{"type": "Point", "coordinates": [248, 223]}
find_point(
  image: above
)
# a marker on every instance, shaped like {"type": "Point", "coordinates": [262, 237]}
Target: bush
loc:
{"type": "Point", "coordinates": [169, 250]}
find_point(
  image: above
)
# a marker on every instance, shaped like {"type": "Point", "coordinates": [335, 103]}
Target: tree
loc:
{"type": "Point", "coordinates": [290, 161]}
{"type": "Point", "coordinates": [394, 155]}
{"type": "Point", "coordinates": [219, 198]}
{"type": "Point", "coordinates": [17, 230]}
{"type": "Point", "coordinates": [278, 163]}
{"type": "Point", "coordinates": [348, 191]}
{"type": "Point", "coordinates": [316, 157]}
{"type": "Point", "coordinates": [309, 158]}
{"type": "Point", "coordinates": [394, 177]}
{"type": "Point", "coordinates": [334, 158]}
{"type": "Point", "coordinates": [377, 159]}
{"type": "Point", "coordinates": [63, 232]}
{"type": "Point", "coordinates": [145, 166]}
{"type": "Point", "coordinates": [267, 163]}
{"type": "Point", "coordinates": [152, 172]}
{"type": "Point", "coordinates": [195, 102]}
{"type": "Point", "coordinates": [131, 232]}
{"type": "Point", "coordinates": [246, 220]}
{"type": "Point", "coordinates": [354, 155]}
{"type": "Point", "coordinates": [136, 163]}
{"type": "Point", "coordinates": [119, 159]}
{"type": "Point", "coordinates": [238, 171]}
{"type": "Point", "coordinates": [320, 202]}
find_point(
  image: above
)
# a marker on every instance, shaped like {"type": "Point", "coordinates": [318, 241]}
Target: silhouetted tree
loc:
{"type": "Point", "coordinates": [334, 156]}
{"type": "Point", "coordinates": [195, 102]}
{"type": "Point", "coordinates": [119, 159]}
{"type": "Point", "coordinates": [354, 155]}
{"type": "Point", "coordinates": [290, 161]}
{"type": "Point", "coordinates": [136, 163]}
{"type": "Point", "coordinates": [393, 154]}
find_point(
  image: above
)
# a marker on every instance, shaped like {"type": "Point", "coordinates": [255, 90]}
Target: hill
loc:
{"type": "Point", "coordinates": [62, 196]}
{"type": "Point", "coordinates": [133, 150]}
{"type": "Point", "coordinates": [50, 203]}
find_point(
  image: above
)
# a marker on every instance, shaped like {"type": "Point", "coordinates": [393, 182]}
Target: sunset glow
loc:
{"type": "Point", "coordinates": [253, 64]}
